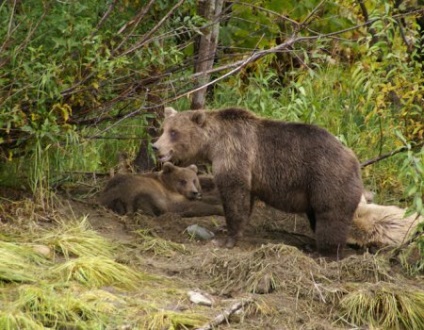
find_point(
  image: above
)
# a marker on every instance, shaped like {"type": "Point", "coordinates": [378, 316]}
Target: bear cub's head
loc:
{"type": "Point", "coordinates": [183, 180]}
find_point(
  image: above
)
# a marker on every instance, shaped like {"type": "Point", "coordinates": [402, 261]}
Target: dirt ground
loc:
{"type": "Point", "coordinates": [273, 271]}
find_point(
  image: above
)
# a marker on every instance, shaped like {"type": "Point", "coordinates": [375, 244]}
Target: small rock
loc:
{"type": "Point", "coordinates": [265, 285]}
{"type": "Point", "coordinates": [198, 298]}
{"type": "Point", "coordinates": [199, 232]}
{"type": "Point", "coordinates": [237, 316]}
{"type": "Point", "coordinates": [44, 250]}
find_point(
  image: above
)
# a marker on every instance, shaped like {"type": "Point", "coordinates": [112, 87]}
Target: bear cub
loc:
{"type": "Point", "coordinates": [174, 189]}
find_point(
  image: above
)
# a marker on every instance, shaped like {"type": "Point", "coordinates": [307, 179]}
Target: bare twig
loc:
{"type": "Point", "coordinates": [389, 154]}
{"type": "Point", "coordinates": [135, 23]}
{"type": "Point", "coordinates": [310, 17]}
{"type": "Point", "coordinates": [221, 318]}
{"type": "Point", "coordinates": [283, 17]}
{"type": "Point", "coordinates": [32, 31]}
{"type": "Point", "coordinates": [105, 16]}
{"type": "Point", "coordinates": [240, 64]}
{"type": "Point", "coordinates": [147, 36]}
{"type": "Point", "coordinates": [12, 13]}
{"type": "Point", "coordinates": [370, 29]}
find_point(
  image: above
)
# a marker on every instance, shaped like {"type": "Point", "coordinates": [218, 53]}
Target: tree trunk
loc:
{"type": "Point", "coordinates": [144, 161]}
{"type": "Point", "coordinates": [210, 10]}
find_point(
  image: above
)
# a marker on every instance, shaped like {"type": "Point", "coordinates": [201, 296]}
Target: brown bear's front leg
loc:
{"type": "Point", "coordinates": [236, 200]}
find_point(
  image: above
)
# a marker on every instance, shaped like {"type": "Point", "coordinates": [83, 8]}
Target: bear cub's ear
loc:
{"type": "Point", "coordinates": [168, 167]}
{"type": "Point", "coordinates": [193, 168]}
{"type": "Point", "coordinates": [170, 111]}
{"type": "Point", "coordinates": [199, 117]}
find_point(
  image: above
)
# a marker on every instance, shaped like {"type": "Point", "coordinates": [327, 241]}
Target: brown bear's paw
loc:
{"type": "Point", "coordinates": [330, 255]}
{"type": "Point", "coordinates": [227, 242]}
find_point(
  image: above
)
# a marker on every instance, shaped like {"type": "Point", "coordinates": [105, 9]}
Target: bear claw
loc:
{"type": "Point", "coordinates": [228, 242]}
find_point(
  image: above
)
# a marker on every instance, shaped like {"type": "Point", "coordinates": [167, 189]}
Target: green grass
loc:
{"type": "Point", "coordinates": [20, 263]}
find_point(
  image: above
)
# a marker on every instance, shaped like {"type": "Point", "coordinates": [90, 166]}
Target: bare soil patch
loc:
{"type": "Point", "coordinates": [273, 271]}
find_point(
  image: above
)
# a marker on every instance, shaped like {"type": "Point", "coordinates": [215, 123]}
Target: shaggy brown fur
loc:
{"type": "Point", "coordinates": [379, 225]}
{"type": "Point", "coordinates": [290, 166]}
{"type": "Point", "coordinates": [174, 189]}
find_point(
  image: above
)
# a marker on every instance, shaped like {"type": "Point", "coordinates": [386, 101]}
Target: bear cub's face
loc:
{"type": "Point", "coordinates": [184, 180]}
{"type": "Point", "coordinates": [182, 135]}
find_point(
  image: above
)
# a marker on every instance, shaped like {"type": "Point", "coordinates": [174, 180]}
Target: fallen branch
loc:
{"type": "Point", "coordinates": [221, 318]}
{"type": "Point", "coordinates": [389, 154]}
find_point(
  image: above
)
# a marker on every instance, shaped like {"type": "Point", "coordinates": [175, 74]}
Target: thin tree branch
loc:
{"type": "Point", "coordinates": [135, 23]}
{"type": "Point", "coordinates": [105, 16]}
{"type": "Point", "coordinates": [153, 30]}
{"type": "Point", "coordinates": [224, 316]}
{"type": "Point", "coordinates": [283, 17]}
{"type": "Point", "coordinates": [310, 16]}
{"type": "Point", "coordinates": [390, 154]}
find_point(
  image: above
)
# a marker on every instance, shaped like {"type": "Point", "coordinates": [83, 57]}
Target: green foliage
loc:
{"type": "Point", "coordinates": [412, 172]}
{"type": "Point", "coordinates": [62, 69]}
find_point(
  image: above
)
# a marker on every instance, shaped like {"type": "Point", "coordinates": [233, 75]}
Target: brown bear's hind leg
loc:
{"type": "Point", "coordinates": [147, 204]}
{"type": "Point", "coordinates": [118, 206]}
{"type": "Point", "coordinates": [311, 217]}
{"type": "Point", "coordinates": [331, 233]}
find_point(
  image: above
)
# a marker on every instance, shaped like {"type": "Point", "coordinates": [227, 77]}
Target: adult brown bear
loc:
{"type": "Point", "coordinates": [290, 166]}
{"type": "Point", "coordinates": [174, 189]}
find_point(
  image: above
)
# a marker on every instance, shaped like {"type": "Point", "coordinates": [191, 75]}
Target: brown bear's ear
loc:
{"type": "Point", "coordinates": [168, 167]}
{"type": "Point", "coordinates": [170, 111]}
{"type": "Point", "coordinates": [199, 117]}
{"type": "Point", "coordinates": [193, 168]}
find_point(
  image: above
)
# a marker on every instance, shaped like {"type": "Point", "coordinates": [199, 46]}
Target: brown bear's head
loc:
{"type": "Point", "coordinates": [183, 136]}
{"type": "Point", "coordinates": [183, 180]}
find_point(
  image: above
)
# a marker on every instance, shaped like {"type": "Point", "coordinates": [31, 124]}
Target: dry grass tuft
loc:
{"type": "Point", "coordinates": [263, 270]}
{"type": "Point", "coordinates": [150, 242]}
{"type": "Point", "coordinates": [98, 272]}
{"type": "Point", "coordinates": [384, 306]}
{"type": "Point", "coordinates": [154, 319]}
{"type": "Point", "coordinates": [19, 212]}
{"type": "Point", "coordinates": [411, 257]}
{"type": "Point", "coordinates": [359, 268]}
{"type": "Point", "coordinates": [75, 239]}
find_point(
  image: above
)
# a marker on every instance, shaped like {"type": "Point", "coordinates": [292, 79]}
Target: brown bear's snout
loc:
{"type": "Point", "coordinates": [195, 195]}
{"type": "Point", "coordinates": [156, 148]}
{"type": "Point", "coordinates": [161, 156]}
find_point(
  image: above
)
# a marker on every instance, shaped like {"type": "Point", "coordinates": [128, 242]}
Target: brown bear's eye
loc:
{"type": "Point", "coordinates": [183, 182]}
{"type": "Point", "coordinates": [173, 134]}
